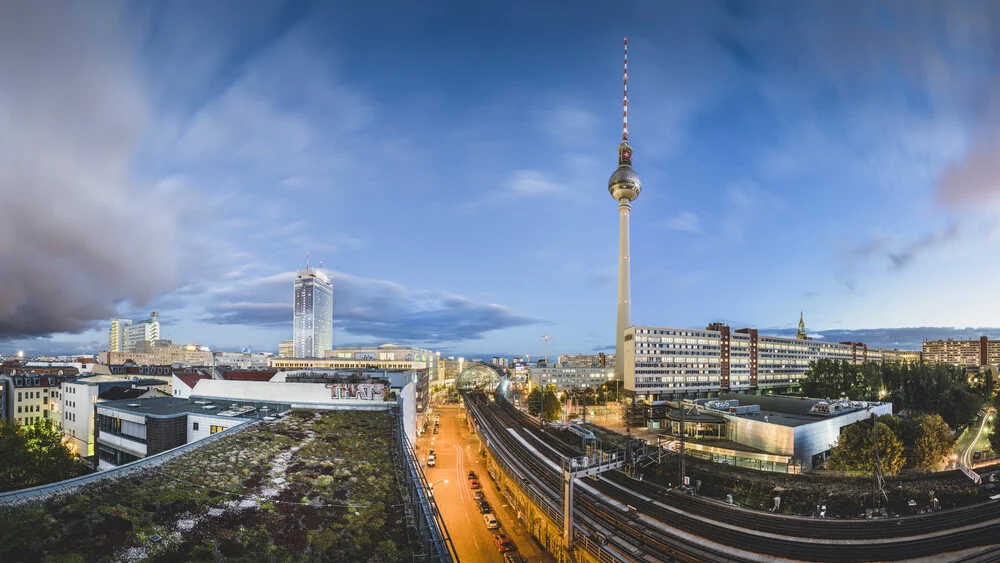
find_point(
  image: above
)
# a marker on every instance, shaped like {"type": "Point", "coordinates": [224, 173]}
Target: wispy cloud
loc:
{"type": "Point", "coordinates": [685, 221]}
{"type": "Point", "coordinates": [531, 183]}
{"type": "Point", "coordinates": [880, 246]}
{"type": "Point", "coordinates": [570, 124]}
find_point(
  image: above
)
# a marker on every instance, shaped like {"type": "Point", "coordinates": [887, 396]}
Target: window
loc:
{"type": "Point", "coordinates": [194, 426]}
{"type": "Point", "coordinates": [217, 428]}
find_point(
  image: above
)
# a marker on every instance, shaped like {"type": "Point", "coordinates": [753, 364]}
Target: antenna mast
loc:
{"type": "Point", "coordinates": [307, 260]}
{"type": "Point", "coordinates": [625, 97]}
{"type": "Point", "coordinates": [546, 338]}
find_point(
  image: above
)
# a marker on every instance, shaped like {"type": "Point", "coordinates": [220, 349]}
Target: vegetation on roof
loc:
{"type": "Point", "coordinates": [311, 487]}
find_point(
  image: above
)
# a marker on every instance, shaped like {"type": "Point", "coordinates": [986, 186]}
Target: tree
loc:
{"type": "Point", "coordinates": [33, 455]}
{"type": "Point", "coordinates": [933, 444]}
{"type": "Point", "coordinates": [854, 450]}
{"type": "Point", "coordinates": [551, 405]}
{"type": "Point", "coordinates": [535, 401]}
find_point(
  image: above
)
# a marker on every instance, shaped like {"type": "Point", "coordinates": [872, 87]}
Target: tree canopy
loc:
{"type": "Point", "coordinates": [33, 455]}
{"type": "Point", "coordinates": [929, 388]}
{"type": "Point", "coordinates": [855, 450]}
{"type": "Point", "coordinates": [925, 442]}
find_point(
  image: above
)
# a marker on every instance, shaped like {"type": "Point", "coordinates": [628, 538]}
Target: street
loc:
{"type": "Point", "coordinates": [457, 454]}
{"type": "Point", "coordinates": [975, 438]}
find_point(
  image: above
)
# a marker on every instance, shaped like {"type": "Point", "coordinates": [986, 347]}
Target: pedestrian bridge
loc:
{"type": "Point", "coordinates": [480, 375]}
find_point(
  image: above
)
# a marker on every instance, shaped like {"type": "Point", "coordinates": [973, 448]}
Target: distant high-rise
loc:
{"type": "Point", "coordinates": [116, 334]}
{"type": "Point", "coordinates": [139, 336]}
{"type": "Point", "coordinates": [313, 330]}
{"type": "Point", "coordinates": [624, 186]}
{"type": "Point", "coordinates": [286, 349]}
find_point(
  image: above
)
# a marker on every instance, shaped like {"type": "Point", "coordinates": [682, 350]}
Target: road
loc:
{"type": "Point", "coordinates": [975, 438]}
{"type": "Point", "coordinates": [457, 454]}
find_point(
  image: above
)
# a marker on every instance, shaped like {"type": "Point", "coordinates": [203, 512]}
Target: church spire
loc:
{"type": "Point", "coordinates": [801, 335]}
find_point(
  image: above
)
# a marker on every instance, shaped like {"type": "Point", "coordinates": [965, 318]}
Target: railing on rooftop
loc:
{"type": "Point", "coordinates": [67, 486]}
{"type": "Point", "coordinates": [420, 499]}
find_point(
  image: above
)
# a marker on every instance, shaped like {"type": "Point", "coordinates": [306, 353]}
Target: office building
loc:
{"type": "Point", "coordinates": [116, 334]}
{"type": "Point", "coordinates": [971, 353]}
{"type": "Point", "coordinates": [313, 321]}
{"type": "Point", "coordinates": [663, 363]}
{"type": "Point", "coordinates": [587, 360]}
{"type": "Point", "coordinates": [286, 349]}
{"type": "Point", "coordinates": [79, 396]}
{"type": "Point", "coordinates": [566, 377]}
{"type": "Point", "coordinates": [242, 360]}
{"type": "Point", "coordinates": [138, 336]}
{"type": "Point", "coordinates": [160, 352]}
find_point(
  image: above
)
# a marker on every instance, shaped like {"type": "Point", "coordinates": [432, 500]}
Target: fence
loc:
{"type": "Point", "coordinates": [419, 499]}
{"type": "Point", "coordinates": [63, 487]}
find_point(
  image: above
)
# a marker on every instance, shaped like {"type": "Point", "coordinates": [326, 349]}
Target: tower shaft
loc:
{"type": "Point", "coordinates": [624, 288]}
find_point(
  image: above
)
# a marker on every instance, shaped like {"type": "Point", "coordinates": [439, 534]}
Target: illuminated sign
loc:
{"type": "Point", "coordinates": [365, 391]}
{"type": "Point", "coordinates": [364, 355]}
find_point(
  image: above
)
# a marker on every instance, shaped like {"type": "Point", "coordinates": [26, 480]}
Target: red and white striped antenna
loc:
{"type": "Point", "coordinates": [625, 98]}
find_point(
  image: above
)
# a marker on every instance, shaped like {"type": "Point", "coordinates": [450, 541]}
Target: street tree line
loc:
{"type": "Point", "coordinates": [926, 388]}
{"type": "Point", "coordinates": [923, 441]}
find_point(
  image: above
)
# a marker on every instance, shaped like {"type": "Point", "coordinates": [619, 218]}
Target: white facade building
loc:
{"type": "Point", "coordinates": [571, 377]}
{"type": "Point", "coordinates": [313, 321]}
{"type": "Point", "coordinates": [116, 334]}
{"type": "Point", "coordinates": [138, 334]}
{"type": "Point", "coordinates": [78, 398]}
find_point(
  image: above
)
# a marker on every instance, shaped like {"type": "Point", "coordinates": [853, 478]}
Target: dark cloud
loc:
{"type": "Point", "coordinates": [49, 347]}
{"type": "Point", "coordinates": [382, 310]}
{"type": "Point", "coordinates": [905, 338]}
{"type": "Point", "coordinates": [78, 236]}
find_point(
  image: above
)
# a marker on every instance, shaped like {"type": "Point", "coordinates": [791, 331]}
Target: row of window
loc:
{"type": "Point", "coordinates": [212, 429]}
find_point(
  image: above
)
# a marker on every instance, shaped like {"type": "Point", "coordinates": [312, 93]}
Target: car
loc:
{"type": "Point", "coordinates": [977, 455]}
{"type": "Point", "coordinates": [474, 484]}
{"type": "Point", "coordinates": [484, 507]}
{"type": "Point", "coordinates": [477, 495]}
{"type": "Point", "coordinates": [432, 453]}
{"type": "Point", "coordinates": [435, 430]}
{"type": "Point", "coordinates": [512, 557]}
{"type": "Point", "coordinates": [502, 543]}
{"type": "Point", "coordinates": [431, 461]}
{"type": "Point", "coordinates": [491, 521]}
{"type": "Point", "coordinates": [472, 475]}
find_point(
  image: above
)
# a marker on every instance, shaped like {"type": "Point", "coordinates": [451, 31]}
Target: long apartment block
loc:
{"type": "Point", "coordinates": [665, 363]}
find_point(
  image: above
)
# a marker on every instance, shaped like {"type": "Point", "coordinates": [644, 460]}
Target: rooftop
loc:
{"type": "Point", "coordinates": [786, 411]}
{"type": "Point", "coordinates": [173, 406]}
{"type": "Point", "coordinates": [310, 487]}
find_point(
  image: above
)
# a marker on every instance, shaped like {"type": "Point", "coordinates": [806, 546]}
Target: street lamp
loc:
{"type": "Point", "coordinates": [431, 486]}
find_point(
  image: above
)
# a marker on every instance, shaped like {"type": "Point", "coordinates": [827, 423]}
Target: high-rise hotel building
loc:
{"type": "Point", "coordinates": [664, 363]}
{"type": "Point", "coordinates": [313, 323]}
{"type": "Point", "coordinates": [116, 334]}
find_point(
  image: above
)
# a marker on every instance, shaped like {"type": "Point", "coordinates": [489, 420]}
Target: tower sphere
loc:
{"type": "Point", "coordinates": [624, 184]}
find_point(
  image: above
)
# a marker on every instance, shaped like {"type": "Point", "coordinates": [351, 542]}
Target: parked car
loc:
{"type": "Point", "coordinates": [491, 521]}
{"type": "Point", "coordinates": [472, 475]}
{"type": "Point", "coordinates": [431, 461]}
{"type": "Point", "coordinates": [474, 484]}
{"type": "Point", "coordinates": [502, 543]}
{"type": "Point", "coordinates": [435, 430]}
{"type": "Point", "coordinates": [512, 557]}
{"type": "Point", "coordinates": [432, 453]}
{"type": "Point", "coordinates": [477, 495]}
{"type": "Point", "coordinates": [977, 455]}
{"type": "Point", "coordinates": [484, 507]}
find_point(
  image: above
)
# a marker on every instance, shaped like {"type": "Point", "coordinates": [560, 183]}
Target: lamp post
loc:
{"type": "Point", "coordinates": [431, 486]}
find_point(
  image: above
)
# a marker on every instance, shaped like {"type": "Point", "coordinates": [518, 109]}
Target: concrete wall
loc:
{"type": "Point", "coordinates": [304, 395]}
{"type": "Point", "coordinates": [205, 424]}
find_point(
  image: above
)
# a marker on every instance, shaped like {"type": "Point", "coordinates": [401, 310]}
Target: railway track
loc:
{"type": "Point", "coordinates": [788, 537]}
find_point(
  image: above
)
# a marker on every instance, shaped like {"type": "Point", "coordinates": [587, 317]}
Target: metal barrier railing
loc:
{"type": "Point", "coordinates": [63, 487]}
{"type": "Point", "coordinates": [418, 495]}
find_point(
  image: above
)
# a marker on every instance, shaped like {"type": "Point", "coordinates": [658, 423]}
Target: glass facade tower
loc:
{"type": "Point", "coordinates": [313, 331]}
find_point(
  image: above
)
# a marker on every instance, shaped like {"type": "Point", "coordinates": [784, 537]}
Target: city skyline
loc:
{"type": "Point", "coordinates": [849, 181]}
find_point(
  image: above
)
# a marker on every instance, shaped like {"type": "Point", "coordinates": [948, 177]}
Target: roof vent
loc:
{"type": "Point", "coordinates": [134, 405]}
{"type": "Point", "coordinates": [208, 407]}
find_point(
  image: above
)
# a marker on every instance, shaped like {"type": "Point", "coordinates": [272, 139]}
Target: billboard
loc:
{"type": "Point", "coordinates": [364, 355]}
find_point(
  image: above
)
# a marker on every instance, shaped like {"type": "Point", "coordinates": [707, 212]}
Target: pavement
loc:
{"type": "Point", "coordinates": [458, 453]}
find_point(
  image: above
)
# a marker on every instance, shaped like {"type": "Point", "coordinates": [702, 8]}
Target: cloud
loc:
{"type": "Point", "coordinates": [378, 309]}
{"type": "Point", "coordinates": [902, 338]}
{"type": "Point", "coordinates": [571, 124]}
{"type": "Point", "coordinates": [974, 180]}
{"type": "Point", "coordinates": [880, 245]}
{"type": "Point", "coordinates": [685, 221]}
{"type": "Point", "coordinates": [79, 235]}
{"type": "Point", "coordinates": [531, 183]}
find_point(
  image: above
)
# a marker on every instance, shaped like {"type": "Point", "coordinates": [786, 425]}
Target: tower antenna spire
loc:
{"type": "Point", "coordinates": [625, 97]}
{"type": "Point", "coordinates": [307, 260]}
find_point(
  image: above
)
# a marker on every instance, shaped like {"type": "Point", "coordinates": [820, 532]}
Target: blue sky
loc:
{"type": "Point", "coordinates": [448, 163]}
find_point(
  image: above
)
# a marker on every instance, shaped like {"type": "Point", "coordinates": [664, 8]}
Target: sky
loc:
{"type": "Point", "coordinates": [447, 163]}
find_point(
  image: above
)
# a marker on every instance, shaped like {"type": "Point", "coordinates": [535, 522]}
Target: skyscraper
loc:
{"type": "Point", "coordinates": [313, 331]}
{"type": "Point", "coordinates": [624, 186]}
{"type": "Point", "coordinates": [139, 336]}
{"type": "Point", "coordinates": [116, 335]}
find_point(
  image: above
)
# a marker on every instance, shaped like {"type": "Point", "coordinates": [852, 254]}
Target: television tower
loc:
{"type": "Point", "coordinates": [624, 186]}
